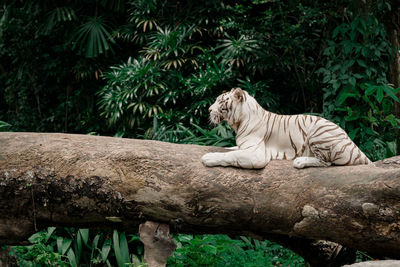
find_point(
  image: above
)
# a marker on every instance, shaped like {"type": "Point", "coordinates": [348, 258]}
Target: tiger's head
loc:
{"type": "Point", "coordinates": [227, 107]}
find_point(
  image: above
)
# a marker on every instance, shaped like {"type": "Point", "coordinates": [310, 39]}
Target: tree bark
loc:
{"type": "Point", "coordinates": [7, 260]}
{"type": "Point", "coordinates": [93, 181]}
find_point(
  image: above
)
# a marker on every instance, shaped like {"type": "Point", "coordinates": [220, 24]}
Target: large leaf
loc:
{"type": "Point", "coordinates": [105, 250]}
{"type": "Point", "coordinates": [84, 233]}
{"type": "Point", "coordinates": [50, 231]}
{"type": "Point", "coordinates": [121, 250]}
{"type": "Point", "coordinates": [93, 38]}
{"type": "Point", "coordinates": [390, 92]}
{"type": "Point", "coordinates": [57, 15]}
{"type": "Point", "coordinates": [4, 126]}
{"type": "Point", "coordinates": [72, 258]}
{"type": "Point", "coordinates": [66, 244]}
{"type": "Point", "coordinates": [124, 248]}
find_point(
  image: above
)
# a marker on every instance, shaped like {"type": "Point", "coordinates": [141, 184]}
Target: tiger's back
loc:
{"type": "Point", "coordinates": [294, 136]}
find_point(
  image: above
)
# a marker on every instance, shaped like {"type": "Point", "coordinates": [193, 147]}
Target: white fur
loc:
{"type": "Point", "coordinates": [263, 136]}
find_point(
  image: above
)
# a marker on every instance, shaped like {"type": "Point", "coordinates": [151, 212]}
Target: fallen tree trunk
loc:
{"type": "Point", "coordinates": [92, 181]}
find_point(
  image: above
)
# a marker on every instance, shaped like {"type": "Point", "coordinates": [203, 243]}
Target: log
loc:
{"type": "Point", "coordinates": [92, 181]}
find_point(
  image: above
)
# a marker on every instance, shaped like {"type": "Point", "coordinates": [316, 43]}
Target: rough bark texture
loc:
{"type": "Point", "coordinates": [91, 181]}
{"type": "Point", "coordinates": [6, 260]}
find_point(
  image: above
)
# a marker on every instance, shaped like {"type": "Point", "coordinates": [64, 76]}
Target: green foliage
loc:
{"type": "Point", "coordinates": [133, 93]}
{"type": "Point", "coordinates": [83, 247]}
{"type": "Point", "coordinates": [221, 135]}
{"type": "Point", "coordinates": [47, 83]}
{"type": "Point", "coordinates": [237, 51]}
{"type": "Point", "coordinates": [40, 253]}
{"type": "Point", "coordinates": [56, 16]}
{"type": "Point", "coordinates": [4, 126]}
{"type": "Point", "coordinates": [170, 60]}
{"type": "Point", "coordinates": [120, 245]}
{"type": "Point", "coordinates": [93, 38]}
{"type": "Point", "coordinates": [220, 250]}
{"type": "Point", "coordinates": [194, 60]}
{"type": "Point", "coordinates": [357, 93]}
{"type": "Point", "coordinates": [362, 256]}
{"type": "Point", "coordinates": [80, 247]}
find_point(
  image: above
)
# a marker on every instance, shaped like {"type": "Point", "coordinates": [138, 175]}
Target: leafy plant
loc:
{"type": "Point", "coordinates": [4, 126]}
{"type": "Point", "coordinates": [220, 250]}
{"type": "Point", "coordinates": [80, 247]}
{"type": "Point", "coordinates": [120, 245]}
{"type": "Point", "coordinates": [238, 51]}
{"type": "Point", "coordinates": [83, 247]}
{"type": "Point", "coordinates": [222, 135]}
{"type": "Point", "coordinates": [58, 15]}
{"type": "Point", "coordinates": [93, 37]}
{"type": "Point", "coordinates": [171, 46]}
{"type": "Point", "coordinates": [41, 252]}
{"type": "Point", "coordinates": [132, 93]}
{"type": "Point", "coordinates": [44, 84]}
{"type": "Point", "coordinates": [357, 95]}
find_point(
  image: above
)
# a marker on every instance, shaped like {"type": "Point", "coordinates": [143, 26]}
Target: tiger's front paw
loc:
{"type": "Point", "coordinates": [211, 159]}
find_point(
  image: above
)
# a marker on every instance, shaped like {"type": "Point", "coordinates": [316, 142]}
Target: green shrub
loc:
{"type": "Point", "coordinates": [80, 247]}
{"type": "Point", "coordinates": [220, 250]}
{"type": "Point", "coordinates": [83, 247]}
{"type": "Point", "coordinates": [357, 94]}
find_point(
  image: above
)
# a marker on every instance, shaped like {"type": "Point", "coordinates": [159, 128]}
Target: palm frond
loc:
{"type": "Point", "coordinates": [93, 37]}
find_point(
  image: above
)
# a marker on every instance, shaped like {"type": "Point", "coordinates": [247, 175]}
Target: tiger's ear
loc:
{"type": "Point", "coordinates": [238, 94]}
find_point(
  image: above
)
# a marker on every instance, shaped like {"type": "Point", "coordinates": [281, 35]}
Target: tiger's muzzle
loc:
{"type": "Point", "coordinates": [215, 118]}
{"type": "Point", "coordinates": [215, 115]}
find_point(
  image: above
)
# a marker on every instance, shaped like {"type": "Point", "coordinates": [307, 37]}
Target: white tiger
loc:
{"type": "Point", "coordinates": [262, 136]}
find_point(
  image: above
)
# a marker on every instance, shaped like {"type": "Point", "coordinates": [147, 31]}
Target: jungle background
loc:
{"type": "Point", "coordinates": [151, 68]}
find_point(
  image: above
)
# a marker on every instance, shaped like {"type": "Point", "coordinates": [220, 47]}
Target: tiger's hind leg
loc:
{"type": "Point", "coordinates": [323, 141]}
{"type": "Point", "coordinates": [318, 155]}
{"type": "Point", "coordinates": [303, 162]}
